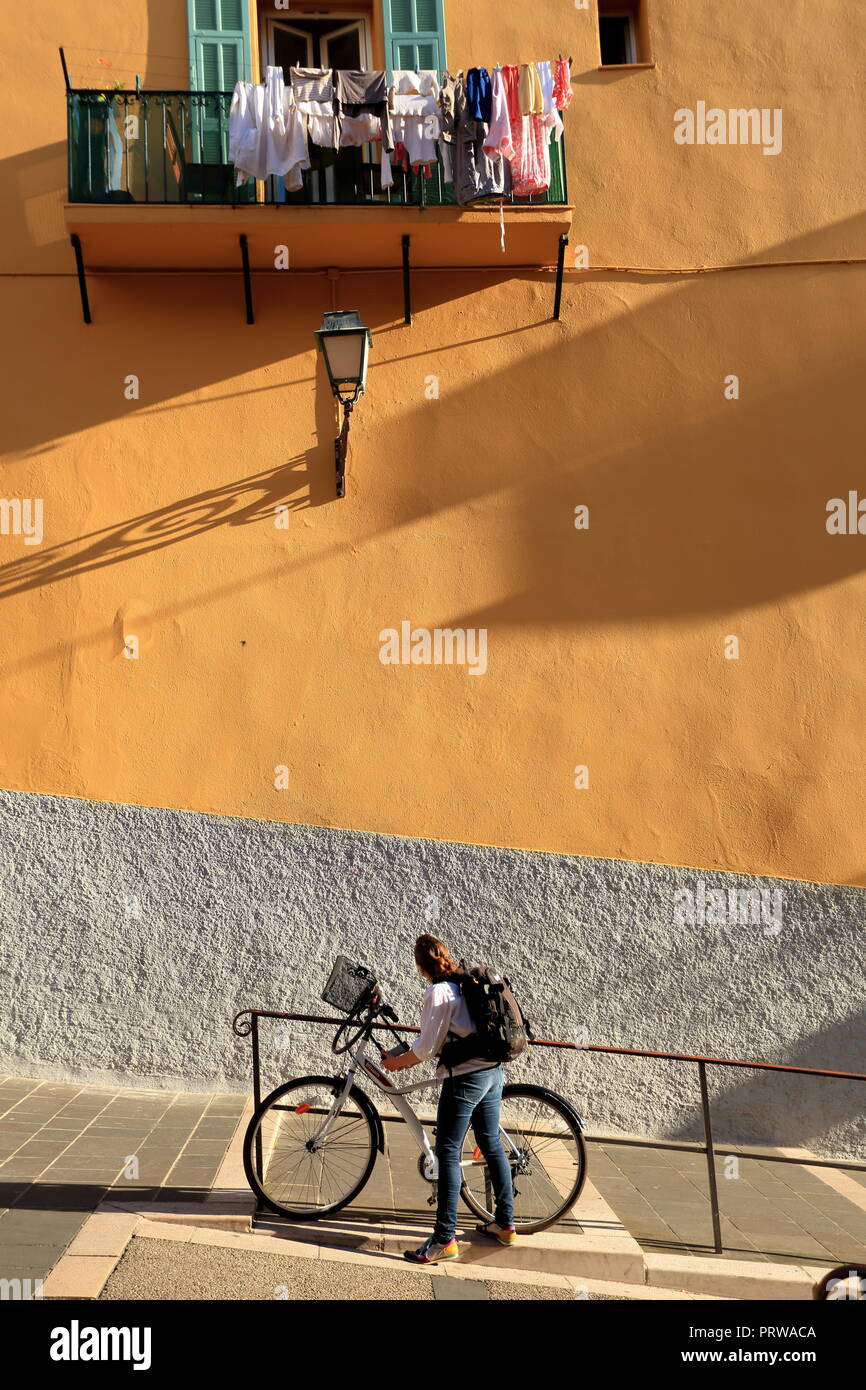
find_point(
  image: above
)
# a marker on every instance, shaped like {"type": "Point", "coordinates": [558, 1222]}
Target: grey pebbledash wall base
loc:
{"type": "Point", "coordinates": [131, 936]}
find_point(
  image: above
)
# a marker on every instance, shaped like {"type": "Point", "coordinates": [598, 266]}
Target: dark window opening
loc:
{"type": "Point", "coordinates": [623, 32]}
{"type": "Point", "coordinates": [617, 39]}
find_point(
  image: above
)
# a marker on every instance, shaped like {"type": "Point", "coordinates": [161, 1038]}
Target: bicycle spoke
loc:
{"type": "Point", "coordinates": [544, 1155]}
{"type": "Point", "coordinates": [303, 1168]}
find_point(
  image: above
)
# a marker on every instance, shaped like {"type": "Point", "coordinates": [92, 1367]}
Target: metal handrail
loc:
{"type": "Point", "coordinates": [246, 1024]}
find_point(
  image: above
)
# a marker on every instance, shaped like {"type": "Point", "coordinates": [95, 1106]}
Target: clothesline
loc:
{"type": "Point", "coordinates": [489, 128]}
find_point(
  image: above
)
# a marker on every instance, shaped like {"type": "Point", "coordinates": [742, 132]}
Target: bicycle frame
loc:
{"type": "Point", "coordinates": [359, 1061]}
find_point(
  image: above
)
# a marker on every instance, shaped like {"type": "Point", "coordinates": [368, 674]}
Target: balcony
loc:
{"type": "Point", "coordinates": [171, 148]}
{"type": "Point", "coordinates": [150, 186]}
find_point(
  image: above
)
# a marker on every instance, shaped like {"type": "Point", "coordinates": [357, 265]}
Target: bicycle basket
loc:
{"type": "Point", "coordinates": [349, 986]}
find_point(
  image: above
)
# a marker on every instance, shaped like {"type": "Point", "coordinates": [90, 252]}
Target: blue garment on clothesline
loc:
{"type": "Point", "coordinates": [479, 94]}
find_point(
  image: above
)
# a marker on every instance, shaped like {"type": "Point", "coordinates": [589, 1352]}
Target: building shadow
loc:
{"type": "Point", "coordinates": [747, 1103]}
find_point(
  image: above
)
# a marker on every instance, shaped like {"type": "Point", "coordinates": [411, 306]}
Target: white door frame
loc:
{"type": "Point", "coordinates": [359, 22]}
{"type": "Point", "coordinates": [356, 22]}
{"type": "Point", "coordinates": [284, 24]}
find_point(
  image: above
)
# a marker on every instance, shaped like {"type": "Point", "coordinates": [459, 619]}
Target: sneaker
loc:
{"type": "Point", "coordinates": [506, 1235]}
{"type": "Point", "coordinates": [432, 1254]}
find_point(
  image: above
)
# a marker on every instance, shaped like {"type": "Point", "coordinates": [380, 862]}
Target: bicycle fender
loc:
{"type": "Point", "coordinates": [575, 1112]}
{"type": "Point", "coordinates": [563, 1100]}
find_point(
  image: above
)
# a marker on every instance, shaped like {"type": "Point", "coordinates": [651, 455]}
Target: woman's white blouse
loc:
{"type": "Point", "coordinates": [445, 1011]}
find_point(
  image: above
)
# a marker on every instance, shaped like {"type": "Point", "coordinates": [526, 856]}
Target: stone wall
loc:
{"type": "Point", "coordinates": [131, 936]}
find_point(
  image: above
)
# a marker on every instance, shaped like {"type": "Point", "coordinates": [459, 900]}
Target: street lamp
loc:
{"type": "Point", "coordinates": [345, 346]}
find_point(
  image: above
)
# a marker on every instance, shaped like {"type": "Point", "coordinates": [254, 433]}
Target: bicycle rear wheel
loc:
{"type": "Point", "coordinates": [296, 1170]}
{"type": "Point", "coordinates": [545, 1146]}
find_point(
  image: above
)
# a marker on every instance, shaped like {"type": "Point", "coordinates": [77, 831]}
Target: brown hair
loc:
{"type": "Point", "coordinates": [433, 957]}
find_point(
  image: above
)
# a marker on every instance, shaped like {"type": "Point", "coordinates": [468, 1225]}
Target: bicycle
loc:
{"type": "Point", "coordinates": [312, 1144]}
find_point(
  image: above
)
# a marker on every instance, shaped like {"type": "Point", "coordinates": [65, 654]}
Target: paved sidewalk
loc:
{"type": "Point", "coordinates": [65, 1148]}
{"type": "Point", "coordinates": [396, 1190]}
{"type": "Point", "coordinates": [778, 1213]}
{"type": "Point", "coordinates": [782, 1213]}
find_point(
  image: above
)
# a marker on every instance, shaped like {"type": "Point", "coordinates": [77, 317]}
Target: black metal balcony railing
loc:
{"type": "Point", "coordinates": [172, 147]}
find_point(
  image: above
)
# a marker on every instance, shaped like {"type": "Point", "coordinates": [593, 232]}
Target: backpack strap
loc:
{"type": "Point", "coordinates": [453, 1040]}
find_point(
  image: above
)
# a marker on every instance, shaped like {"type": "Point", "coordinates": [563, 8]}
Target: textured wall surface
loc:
{"type": "Point", "coordinates": [131, 937]}
{"type": "Point", "coordinates": [258, 647]}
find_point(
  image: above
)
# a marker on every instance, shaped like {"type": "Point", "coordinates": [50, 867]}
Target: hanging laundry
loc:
{"type": "Point", "coordinates": [313, 92]}
{"type": "Point", "coordinates": [114, 180]}
{"type": "Point", "coordinates": [552, 118]}
{"type": "Point", "coordinates": [360, 130]}
{"type": "Point", "coordinates": [562, 91]}
{"type": "Point", "coordinates": [446, 107]}
{"type": "Point", "coordinates": [511, 83]}
{"type": "Point", "coordinates": [266, 133]}
{"type": "Point", "coordinates": [476, 174]}
{"type": "Point", "coordinates": [479, 94]}
{"type": "Point", "coordinates": [414, 102]}
{"type": "Point", "coordinates": [360, 95]}
{"type": "Point", "coordinates": [529, 91]}
{"type": "Point", "coordinates": [530, 163]}
{"type": "Point", "coordinates": [242, 124]}
{"type": "Point", "coordinates": [362, 92]}
{"type": "Point", "coordinates": [498, 139]}
{"type": "Point", "coordinates": [446, 126]}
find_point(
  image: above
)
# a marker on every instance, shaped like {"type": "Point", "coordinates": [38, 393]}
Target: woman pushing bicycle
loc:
{"type": "Point", "coordinates": [471, 1093]}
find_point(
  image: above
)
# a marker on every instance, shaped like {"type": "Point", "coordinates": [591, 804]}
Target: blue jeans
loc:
{"type": "Point", "coordinates": [474, 1098]}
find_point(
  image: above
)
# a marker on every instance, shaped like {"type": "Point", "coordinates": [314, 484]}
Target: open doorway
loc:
{"type": "Point", "coordinates": [338, 40]}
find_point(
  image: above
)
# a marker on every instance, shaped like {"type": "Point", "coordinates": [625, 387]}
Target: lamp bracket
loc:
{"type": "Point", "coordinates": [341, 447]}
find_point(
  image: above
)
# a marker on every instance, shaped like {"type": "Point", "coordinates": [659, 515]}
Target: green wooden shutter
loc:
{"type": "Point", "coordinates": [219, 44]}
{"type": "Point", "coordinates": [414, 34]}
{"type": "Point", "coordinates": [219, 56]}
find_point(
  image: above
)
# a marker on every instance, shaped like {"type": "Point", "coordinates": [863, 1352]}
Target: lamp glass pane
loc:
{"type": "Point", "coordinates": [345, 353]}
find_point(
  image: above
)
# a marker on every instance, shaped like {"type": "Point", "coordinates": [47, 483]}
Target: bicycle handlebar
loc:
{"type": "Point", "coordinates": [362, 1017]}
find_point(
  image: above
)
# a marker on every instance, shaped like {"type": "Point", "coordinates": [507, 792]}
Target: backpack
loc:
{"type": "Point", "coordinates": [501, 1031]}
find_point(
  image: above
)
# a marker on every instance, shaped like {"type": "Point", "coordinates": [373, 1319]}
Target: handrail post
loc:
{"type": "Point", "coordinates": [257, 1092]}
{"type": "Point", "coordinates": [711, 1158]}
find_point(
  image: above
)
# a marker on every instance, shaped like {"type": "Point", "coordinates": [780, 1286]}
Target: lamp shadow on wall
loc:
{"type": "Point", "coordinates": [241, 503]}
{"type": "Point", "coordinates": [304, 482]}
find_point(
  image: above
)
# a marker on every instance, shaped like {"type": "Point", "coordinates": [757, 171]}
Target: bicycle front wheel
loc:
{"type": "Point", "coordinates": [302, 1161]}
{"type": "Point", "coordinates": [544, 1144]}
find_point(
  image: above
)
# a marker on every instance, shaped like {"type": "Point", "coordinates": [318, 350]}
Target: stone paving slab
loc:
{"type": "Point", "coordinates": [65, 1147]}
{"type": "Point", "coordinates": [772, 1212]}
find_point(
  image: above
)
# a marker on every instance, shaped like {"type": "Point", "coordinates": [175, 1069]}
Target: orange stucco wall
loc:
{"type": "Point", "coordinates": [259, 646]}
